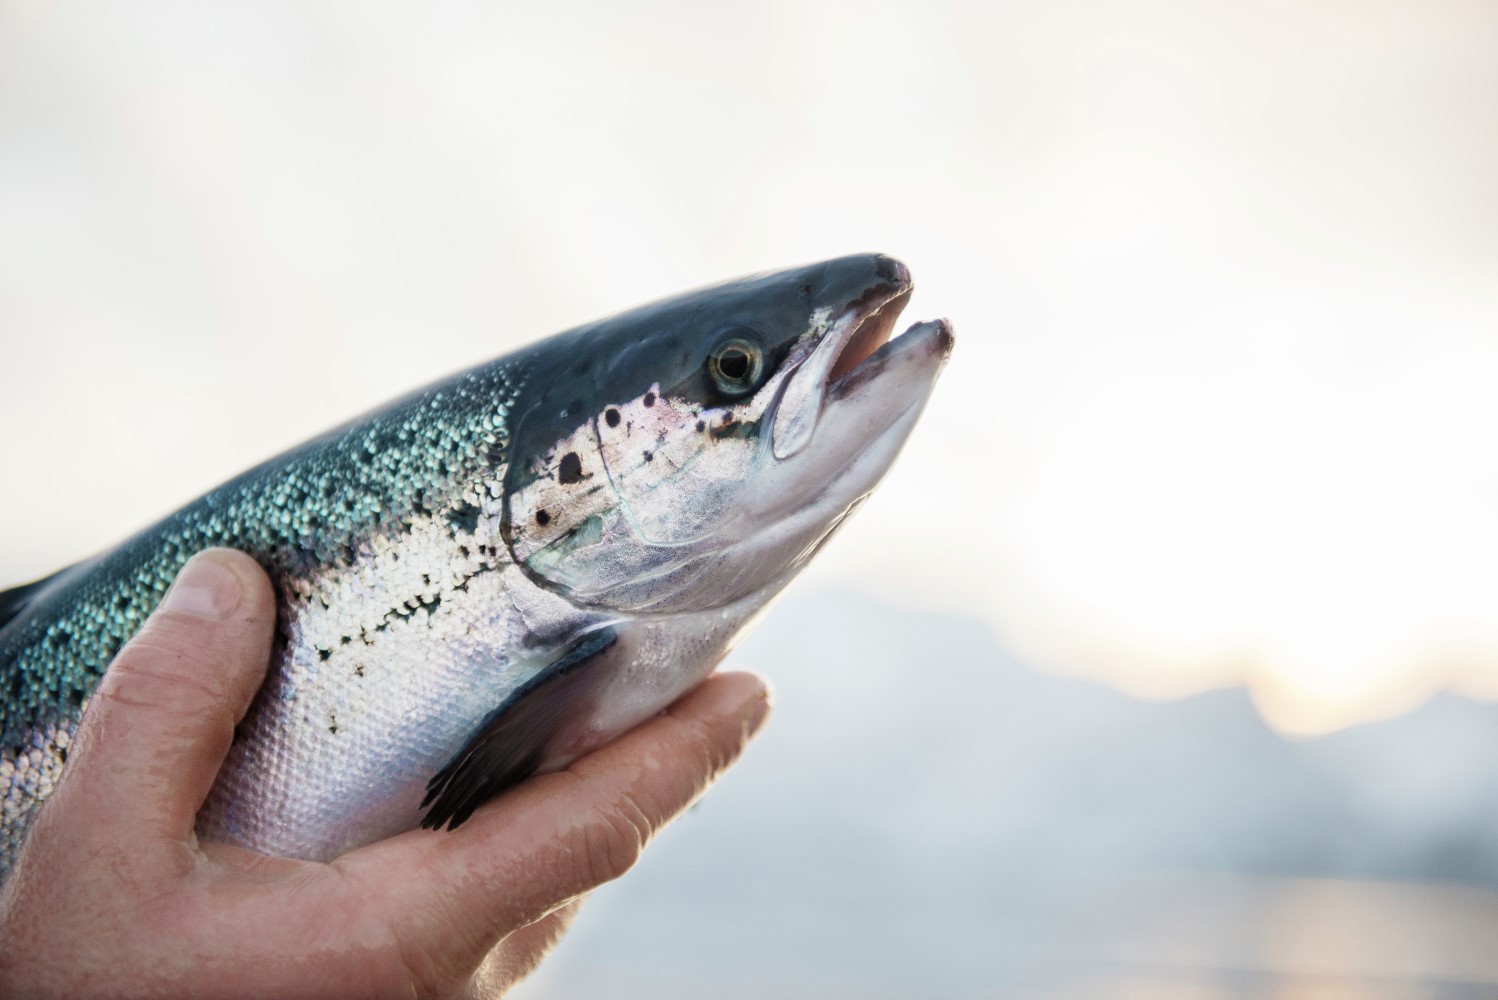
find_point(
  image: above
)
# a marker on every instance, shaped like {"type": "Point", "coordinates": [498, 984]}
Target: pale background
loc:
{"type": "Point", "coordinates": [1219, 424]}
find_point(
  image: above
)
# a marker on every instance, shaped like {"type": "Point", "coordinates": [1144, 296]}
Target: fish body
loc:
{"type": "Point", "coordinates": [501, 571]}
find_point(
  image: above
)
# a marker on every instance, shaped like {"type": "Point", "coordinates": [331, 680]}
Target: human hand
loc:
{"type": "Point", "coordinates": [114, 896]}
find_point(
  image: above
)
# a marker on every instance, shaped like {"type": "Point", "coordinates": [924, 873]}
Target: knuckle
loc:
{"type": "Point", "coordinates": [710, 750]}
{"type": "Point", "coordinates": [421, 947]}
{"type": "Point", "coordinates": [614, 841]}
{"type": "Point", "coordinates": [424, 976]}
{"type": "Point", "coordinates": [161, 673]}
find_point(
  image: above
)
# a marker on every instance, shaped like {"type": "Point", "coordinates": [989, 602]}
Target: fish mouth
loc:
{"type": "Point", "coordinates": [931, 336]}
{"type": "Point", "coordinates": [854, 349]}
{"type": "Point", "coordinates": [869, 333]}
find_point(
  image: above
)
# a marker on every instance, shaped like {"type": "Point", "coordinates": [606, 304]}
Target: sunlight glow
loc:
{"type": "Point", "coordinates": [1322, 542]}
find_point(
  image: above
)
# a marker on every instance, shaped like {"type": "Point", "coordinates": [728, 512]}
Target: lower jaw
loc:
{"type": "Point", "coordinates": [933, 335]}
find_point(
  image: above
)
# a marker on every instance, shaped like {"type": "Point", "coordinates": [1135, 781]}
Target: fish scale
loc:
{"type": "Point", "coordinates": [319, 506]}
{"type": "Point", "coordinates": [476, 582]}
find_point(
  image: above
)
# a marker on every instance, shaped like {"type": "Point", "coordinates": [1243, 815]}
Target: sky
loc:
{"type": "Point", "coordinates": [1222, 277]}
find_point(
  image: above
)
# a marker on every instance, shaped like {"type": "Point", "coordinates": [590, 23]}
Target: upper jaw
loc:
{"type": "Point", "coordinates": [855, 335]}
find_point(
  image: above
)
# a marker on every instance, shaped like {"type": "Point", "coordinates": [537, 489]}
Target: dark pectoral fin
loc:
{"type": "Point", "coordinates": [15, 601]}
{"type": "Point", "coordinates": [514, 740]}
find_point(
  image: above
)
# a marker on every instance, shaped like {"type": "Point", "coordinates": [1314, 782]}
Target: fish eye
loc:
{"type": "Point", "coordinates": [736, 365]}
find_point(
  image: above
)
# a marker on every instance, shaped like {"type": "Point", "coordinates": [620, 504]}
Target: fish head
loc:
{"type": "Point", "coordinates": [695, 452]}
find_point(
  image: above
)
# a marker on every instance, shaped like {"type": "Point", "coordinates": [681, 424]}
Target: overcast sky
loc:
{"type": "Point", "coordinates": [1223, 277]}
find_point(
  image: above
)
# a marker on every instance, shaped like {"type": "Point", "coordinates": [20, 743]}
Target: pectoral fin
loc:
{"type": "Point", "coordinates": [515, 738]}
{"type": "Point", "coordinates": [14, 602]}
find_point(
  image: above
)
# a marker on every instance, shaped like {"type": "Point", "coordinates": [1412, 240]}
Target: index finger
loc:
{"type": "Point", "coordinates": [558, 835]}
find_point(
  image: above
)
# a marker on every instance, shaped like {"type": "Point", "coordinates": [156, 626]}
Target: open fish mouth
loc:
{"type": "Point", "coordinates": [852, 352]}
{"type": "Point", "coordinates": [931, 336]}
{"type": "Point", "coordinates": [868, 334]}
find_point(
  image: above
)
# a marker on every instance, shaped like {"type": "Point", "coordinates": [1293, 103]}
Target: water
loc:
{"type": "Point", "coordinates": [926, 817]}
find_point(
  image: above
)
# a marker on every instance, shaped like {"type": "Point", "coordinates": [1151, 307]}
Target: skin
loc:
{"type": "Point", "coordinates": [114, 896]}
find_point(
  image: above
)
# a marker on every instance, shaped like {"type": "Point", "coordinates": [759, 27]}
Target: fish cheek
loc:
{"type": "Point", "coordinates": [552, 496]}
{"type": "Point", "coordinates": [675, 468]}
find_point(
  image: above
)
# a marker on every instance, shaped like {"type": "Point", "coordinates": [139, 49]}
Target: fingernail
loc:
{"type": "Point", "coordinates": [206, 588]}
{"type": "Point", "coordinates": [759, 708]}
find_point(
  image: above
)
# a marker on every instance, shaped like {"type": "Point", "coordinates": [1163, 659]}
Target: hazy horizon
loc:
{"type": "Point", "coordinates": [1222, 279]}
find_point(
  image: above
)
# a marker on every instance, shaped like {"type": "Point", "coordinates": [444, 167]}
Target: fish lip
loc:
{"type": "Point", "coordinates": [934, 336]}
{"type": "Point", "coordinates": [857, 333]}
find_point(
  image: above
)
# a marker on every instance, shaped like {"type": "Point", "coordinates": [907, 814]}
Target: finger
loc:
{"type": "Point", "coordinates": [558, 835]}
{"type": "Point", "coordinates": [158, 727]}
{"type": "Point", "coordinates": [518, 955]}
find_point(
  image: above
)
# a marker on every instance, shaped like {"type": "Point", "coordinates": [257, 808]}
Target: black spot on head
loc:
{"type": "Point", "coordinates": [570, 470]}
{"type": "Point", "coordinates": [611, 415]}
{"type": "Point", "coordinates": [323, 654]}
{"type": "Point", "coordinates": [727, 428]}
{"type": "Point", "coordinates": [702, 425]}
{"type": "Point", "coordinates": [543, 518]}
{"type": "Point", "coordinates": [464, 518]}
{"type": "Point", "coordinates": [649, 399]}
{"type": "Point", "coordinates": [649, 457]}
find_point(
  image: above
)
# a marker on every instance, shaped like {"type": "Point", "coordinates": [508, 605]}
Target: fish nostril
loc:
{"type": "Point", "coordinates": [891, 270]}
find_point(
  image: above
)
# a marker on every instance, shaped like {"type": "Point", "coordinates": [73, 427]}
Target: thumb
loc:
{"type": "Point", "coordinates": [157, 729]}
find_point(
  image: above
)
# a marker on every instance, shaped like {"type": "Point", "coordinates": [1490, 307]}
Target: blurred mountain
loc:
{"type": "Point", "coordinates": [926, 817]}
